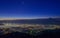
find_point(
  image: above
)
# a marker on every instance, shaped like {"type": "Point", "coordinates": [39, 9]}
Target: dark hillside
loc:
{"type": "Point", "coordinates": [43, 34]}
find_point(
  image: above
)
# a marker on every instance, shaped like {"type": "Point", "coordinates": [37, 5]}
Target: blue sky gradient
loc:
{"type": "Point", "coordinates": [29, 8]}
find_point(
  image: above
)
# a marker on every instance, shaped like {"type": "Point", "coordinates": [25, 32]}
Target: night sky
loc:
{"type": "Point", "coordinates": [29, 8]}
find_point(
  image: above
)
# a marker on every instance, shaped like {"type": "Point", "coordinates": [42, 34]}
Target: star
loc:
{"type": "Point", "coordinates": [22, 2]}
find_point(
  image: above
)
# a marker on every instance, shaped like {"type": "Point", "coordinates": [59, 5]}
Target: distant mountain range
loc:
{"type": "Point", "coordinates": [33, 21]}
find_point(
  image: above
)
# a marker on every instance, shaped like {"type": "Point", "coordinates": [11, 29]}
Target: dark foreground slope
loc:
{"type": "Point", "coordinates": [43, 34]}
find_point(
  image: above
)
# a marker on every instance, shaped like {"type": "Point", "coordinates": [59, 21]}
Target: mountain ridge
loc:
{"type": "Point", "coordinates": [33, 21]}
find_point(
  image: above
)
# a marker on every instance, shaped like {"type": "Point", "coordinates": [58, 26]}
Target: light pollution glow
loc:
{"type": "Point", "coordinates": [10, 18]}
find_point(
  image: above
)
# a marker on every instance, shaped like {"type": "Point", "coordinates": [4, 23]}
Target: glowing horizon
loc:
{"type": "Point", "coordinates": [16, 18]}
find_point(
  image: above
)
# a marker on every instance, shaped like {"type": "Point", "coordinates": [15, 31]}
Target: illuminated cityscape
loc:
{"type": "Point", "coordinates": [10, 27]}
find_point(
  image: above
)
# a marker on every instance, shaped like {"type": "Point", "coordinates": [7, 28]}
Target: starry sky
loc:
{"type": "Point", "coordinates": [29, 8]}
